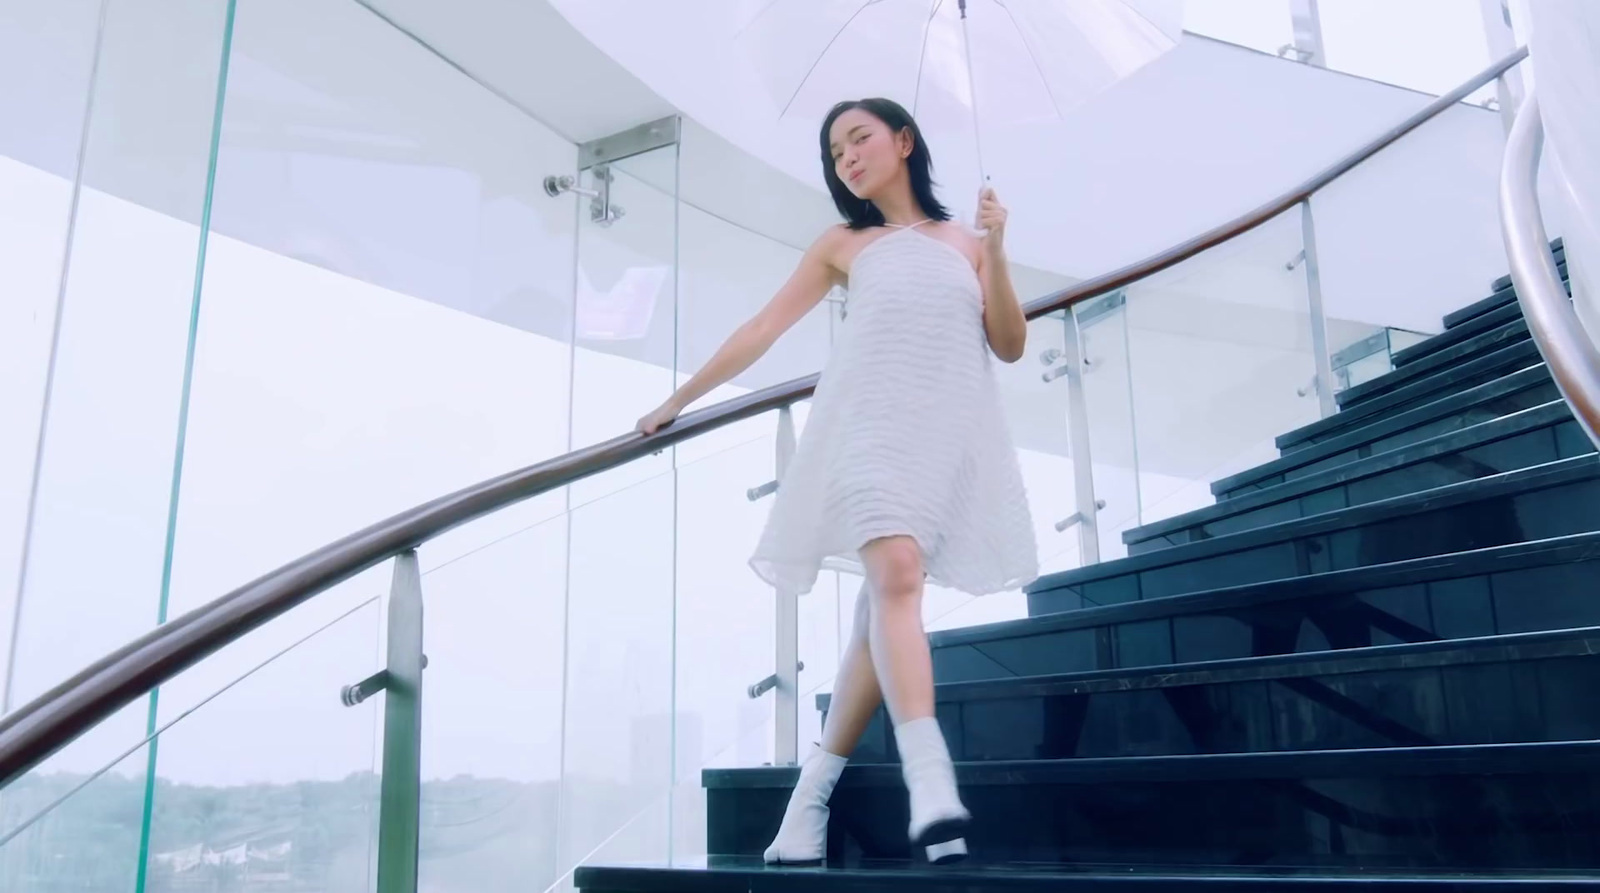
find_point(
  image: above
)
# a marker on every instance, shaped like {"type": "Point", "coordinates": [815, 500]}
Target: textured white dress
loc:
{"type": "Point", "coordinates": [906, 434]}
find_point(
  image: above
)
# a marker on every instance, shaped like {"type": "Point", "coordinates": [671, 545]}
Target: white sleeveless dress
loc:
{"type": "Point", "coordinates": [906, 434]}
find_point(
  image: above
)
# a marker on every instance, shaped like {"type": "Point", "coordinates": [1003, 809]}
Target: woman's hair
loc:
{"type": "Point", "coordinates": [858, 212]}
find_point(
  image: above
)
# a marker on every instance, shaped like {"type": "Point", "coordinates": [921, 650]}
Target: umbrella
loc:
{"type": "Point", "coordinates": [1017, 60]}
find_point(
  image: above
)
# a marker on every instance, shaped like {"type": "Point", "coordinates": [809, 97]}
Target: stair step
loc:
{"type": "Point", "coordinates": [1526, 587]}
{"type": "Point", "coordinates": [1446, 383]}
{"type": "Point", "coordinates": [1551, 500]}
{"type": "Point", "coordinates": [1499, 806]}
{"type": "Point", "coordinates": [1503, 293]}
{"type": "Point", "coordinates": [1544, 434]}
{"type": "Point", "coordinates": [747, 874]}
{"type": "Point", "coordinates": [1504, 404]}
{"type": "Point", "coordinates": [1494, 689]}
{"type": "Point", "coordinates": [1523, 440]}
{"type": "Point", "coordinates": [1557, 247]}
{"type": "Point", "coordinates": [1472, 328]}
{"type": "Point", "coordinates": [1500, 336]}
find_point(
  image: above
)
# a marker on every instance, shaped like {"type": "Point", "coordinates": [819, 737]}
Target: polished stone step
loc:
{"type": "Point", "coordinates": [1545, 501]}
{"type": "Point", "coordinates": [1493, 689]}
{"type": "Point", "coordinates": [747, 874]}
{"type": "Point", "coordinates": [1447, 383]}
{"type": "Point", "coordinates": [1510, 312]}
{"type": "Point", "coordinates": [1537, 436]}
{"type": "Point", "coordinates": [1475, 807]}
{"type": "Point", "coordinates": [1519, 588]}
{"type": "Point", "coordinates": [1558, 247]}
{"type": "Point", "coordinates": [1488, 342]}
{"type": "Point", "coordinates": [1503, 294]}
{"type": "Point", "coordinates": [1527, 401]}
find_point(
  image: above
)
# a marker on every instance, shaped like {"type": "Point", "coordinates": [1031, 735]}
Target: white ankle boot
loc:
{"type": "Point", "coordinates": [938, 819]}
{"type": "Point", "coordinates": [803, 836]}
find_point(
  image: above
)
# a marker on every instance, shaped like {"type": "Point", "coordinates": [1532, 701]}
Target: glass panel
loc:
{"type": "Point", "coordinates": [72, 831]}
{"type": "Point", "coordinates": [618, 722]}
{"type": "Point", "coordinates": [274, 781]}
{"type": "Point", "coordinates": [49, 47]}
{"type": "Point", "coordinates": [105, 486]}
{"type": "Point", "coordinates": [1108, 398]}
{"type": "Point", "coordinates": [1219, 364]}
{"type": "Point", "coordinates": [387, 298]}
{"type": "Point", "coordinates": [1427, 45]}
{"type": "Point", "coordinates": [242, 799]}
{"type": "Point", "coordinates": [1413, 233]}
{"type": "Point", "coordinates": [1264, 25]}
{"type": "Point", "coordinates": [492, 714]}
{"type": "Point", "coordinates": [625, 334]}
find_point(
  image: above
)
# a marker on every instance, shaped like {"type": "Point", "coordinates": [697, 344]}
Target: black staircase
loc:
{"type": "Point", "coordinates": [1374, 664]}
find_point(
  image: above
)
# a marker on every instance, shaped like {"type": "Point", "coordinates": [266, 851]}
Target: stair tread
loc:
{"type": "Point", "coordinates": [1436, 362]}
{"type": "Point", "coordinates": [1515, 356]}
{"type": "Point", "coordinates": [1442, 653]}
{"type": "Point", "coordinates": [1549, 413]}
{"type": "Point", "coordinates": [1557, 550]}
{"type": "Point", "coordinates": [1503, 484]}
{"type": "Point", "coordinates": [748, 874]}
{"type": "Point", "coordinates": [1452, 759]}
{"type": "Point", "coordinates": [1471, 328]}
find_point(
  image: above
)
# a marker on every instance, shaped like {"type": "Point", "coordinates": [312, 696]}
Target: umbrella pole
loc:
{"type": "Point", "coordinates": [972, 90]}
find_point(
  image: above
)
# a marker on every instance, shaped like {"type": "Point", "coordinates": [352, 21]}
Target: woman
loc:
{"type": "Point", "coordinates": [905, 459]}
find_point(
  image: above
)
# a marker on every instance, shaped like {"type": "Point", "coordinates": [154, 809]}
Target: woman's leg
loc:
{"type": "Point", "coordinates": [904, 664]}
{"type": "Point", "coordinates": [898, 643]}
{"type": "Point", "coordinates": [803, 836]}
{"type": "Point", "coordinates": [856, 696]}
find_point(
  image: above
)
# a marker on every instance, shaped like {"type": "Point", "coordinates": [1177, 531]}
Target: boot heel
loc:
{"type": "Point", "coordinates": [948, 852]}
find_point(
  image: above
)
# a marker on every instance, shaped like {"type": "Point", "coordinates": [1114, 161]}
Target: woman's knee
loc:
{"type": "Point", "coordinates": [896, 568]}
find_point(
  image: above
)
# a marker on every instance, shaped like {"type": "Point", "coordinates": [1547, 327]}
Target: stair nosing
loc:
{"type": "Point", "coordinates": [1520, 758]}
{"type": "Point", "coordinates": [1545, 415]}
{"type": "Point", "coordinates": [1525, 379]}
{"type": "Point", "coordinates": [1505, 333]}
{"type": "Point", "coordinates": [1569, 549]}
{"type": "Point", "coordinates": [1364, 411]}
{"type": "Point", "coordinates": [737, 877]}
{"type": "Point", "coordinates": [1452, 336]}
{"type": "Point", "coordinates": [1475, 650]}
{"type": "Point", "coordinates": [1521, 480]}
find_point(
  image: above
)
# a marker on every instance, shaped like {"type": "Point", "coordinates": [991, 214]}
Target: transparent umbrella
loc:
{"type": "Point", "coordinates": [953, 61]}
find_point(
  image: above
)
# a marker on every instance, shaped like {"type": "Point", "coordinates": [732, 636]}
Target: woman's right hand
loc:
{"type": "Point", "coordinates": [657, 418]}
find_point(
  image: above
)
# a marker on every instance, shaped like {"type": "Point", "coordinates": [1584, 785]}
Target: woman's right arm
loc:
{"type": "Point", "coordinates": [806, 287]}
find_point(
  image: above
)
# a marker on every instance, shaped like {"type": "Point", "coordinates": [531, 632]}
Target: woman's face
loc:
{"type": "Point", "coordinates": [866, 153]}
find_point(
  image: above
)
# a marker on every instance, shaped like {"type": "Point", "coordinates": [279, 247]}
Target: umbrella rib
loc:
{"type": "Point", "coordinates": [922, 58]}
{"type": "Point", "coordinates": [1028, 45]}
{"type": "Point", "coordinates": [822, 55]}
{"type": "Point", "coordinates": [755, 18]}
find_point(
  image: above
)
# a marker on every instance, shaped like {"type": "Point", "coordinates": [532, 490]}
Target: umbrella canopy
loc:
{"type": "Point", "coordinates": [953, 61]}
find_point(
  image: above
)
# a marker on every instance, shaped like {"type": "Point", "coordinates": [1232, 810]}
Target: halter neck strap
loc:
{"type": "Point", "coordinates": [910, 226]}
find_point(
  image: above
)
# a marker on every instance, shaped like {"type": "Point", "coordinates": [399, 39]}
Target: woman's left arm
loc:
{"type": "Point", "coordinates": [1003, 320]}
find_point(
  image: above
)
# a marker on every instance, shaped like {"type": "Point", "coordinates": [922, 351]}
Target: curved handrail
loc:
{"type": "Point", "coordinates": [32, 732]}
{"type": "Point", "coordinates": [1573, 359]}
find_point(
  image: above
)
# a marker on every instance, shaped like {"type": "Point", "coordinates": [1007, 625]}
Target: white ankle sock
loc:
{"type": "Point", "coordinates": [930, 776]}
{"type": "Point", "coordinates": [803, 836]}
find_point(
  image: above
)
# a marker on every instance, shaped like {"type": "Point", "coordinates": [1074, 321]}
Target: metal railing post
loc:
{"type": "Point", "coordinates": [786, 701]}
{"type": "Point", "coordinates": [400, 797]}
{"type": "Point", "coordinates": [1078, 436]}
{"type": "Point", "coordinates": [1319, 319]}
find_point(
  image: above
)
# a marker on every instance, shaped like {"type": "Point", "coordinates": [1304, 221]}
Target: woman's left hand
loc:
{"type": "Point", "coordinates": [992, 220]}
